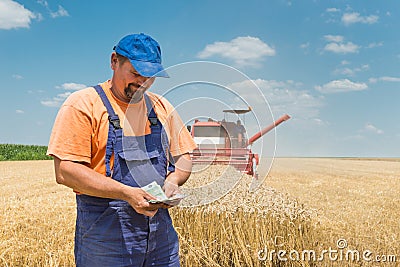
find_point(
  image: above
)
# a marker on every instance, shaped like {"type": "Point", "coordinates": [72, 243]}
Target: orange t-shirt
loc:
{"type": "Point", "coordinates": [80, 130]}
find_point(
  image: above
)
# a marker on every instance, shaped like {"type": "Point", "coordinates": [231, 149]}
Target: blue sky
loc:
{"type": "Point", "coordinates": [332, 65]}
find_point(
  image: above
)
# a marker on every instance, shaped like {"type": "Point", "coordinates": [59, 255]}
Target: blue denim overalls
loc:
{"type": "Point", "coordinates": [109, 232]}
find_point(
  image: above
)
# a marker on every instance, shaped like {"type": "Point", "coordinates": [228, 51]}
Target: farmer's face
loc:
{"type": "Point", "coordinates": [130, 83]}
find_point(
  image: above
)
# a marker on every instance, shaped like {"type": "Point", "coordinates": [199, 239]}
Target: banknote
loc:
{"type": "Point", "coordinates": [155, 190]}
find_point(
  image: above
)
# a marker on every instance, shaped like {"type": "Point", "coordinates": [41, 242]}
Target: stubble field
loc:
{"type": "Point", "coordinates": [308, 212]}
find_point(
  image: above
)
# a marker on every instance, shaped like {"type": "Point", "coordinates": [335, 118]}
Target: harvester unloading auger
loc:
{"type": "Point", "coordinates": [225, 143]}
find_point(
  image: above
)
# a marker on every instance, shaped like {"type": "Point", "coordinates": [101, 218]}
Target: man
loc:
{"type": "Point", "coordinates": [241, 133]}
{"type": "Point", "coordinates": [110, 140]}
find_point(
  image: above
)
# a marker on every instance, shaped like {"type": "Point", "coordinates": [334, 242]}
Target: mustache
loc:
{"type": "Point", "coordinates": [130, 93]}
{"type": "Point", "coordinates": [134, 89]}
{"type": "Point", "coordinates": [138, 86]}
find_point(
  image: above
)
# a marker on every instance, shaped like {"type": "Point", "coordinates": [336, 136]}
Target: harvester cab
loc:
{"type": "Point", "coordinates": [226, 142]}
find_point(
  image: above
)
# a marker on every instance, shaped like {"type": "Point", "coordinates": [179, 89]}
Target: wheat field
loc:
{"type": "Point", "coordinates": [305, 205]}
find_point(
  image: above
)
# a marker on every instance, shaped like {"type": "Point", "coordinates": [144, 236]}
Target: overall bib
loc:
{"type": "Point", "coordinates": [109, 232]}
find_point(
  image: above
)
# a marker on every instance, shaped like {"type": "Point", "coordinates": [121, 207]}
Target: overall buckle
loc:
{"type": "Point", "coordinates": [153, 121]}
{"type": "Point", "coordinates": [115, 122]}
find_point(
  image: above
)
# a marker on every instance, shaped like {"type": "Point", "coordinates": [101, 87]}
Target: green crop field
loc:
{"type": "Point", "coordinates": [22, 152]}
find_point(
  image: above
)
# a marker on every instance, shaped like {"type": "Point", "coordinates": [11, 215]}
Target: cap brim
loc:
{"type": "Point", "coordinates": [149, 69]}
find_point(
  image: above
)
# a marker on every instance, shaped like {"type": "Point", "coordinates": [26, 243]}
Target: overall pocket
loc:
{"type": "Point", "coordinates": [139, 168]}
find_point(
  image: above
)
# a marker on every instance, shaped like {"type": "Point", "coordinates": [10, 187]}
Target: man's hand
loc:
{"type": "Point", "coordinates": [139, 200]}
{"type": "Point", "coordinates": [183, 168]}
{"type": "Point", "coordinates": [172, 189]}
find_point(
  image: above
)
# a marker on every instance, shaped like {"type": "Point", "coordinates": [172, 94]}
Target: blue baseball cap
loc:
{"type": "Point", "coordinates": [144, 53]}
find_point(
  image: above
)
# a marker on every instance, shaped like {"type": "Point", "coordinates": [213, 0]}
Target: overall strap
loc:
{"type": "Point", "coordinates": [115, 126]}
{"type": "Point", "coordinates": [151, 114]}
{"type": "Point", "coordinates": [112, 117]}
{"type": "Point", "coordinates": [155, 123]}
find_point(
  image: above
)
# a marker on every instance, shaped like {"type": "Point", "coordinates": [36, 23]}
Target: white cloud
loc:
{"type": "Point", "coordinates": [244, 51]}
{"type": "Point", "coordinates": [60, 98]}
{"type": "Point", "coordinates": [305, 45]}
{"type": "Point", "coordinates": [61, 12]}
{"type": "Point", "coordinates": [344, 71]}
{"type": "Point", "coordinates": [332, 9]}
{"type": "Point", "coordinates": [19, 111]}
{"type": "Point", "coordinates": [43, 3]}
{"type": "Point", "coordinates": [341, 48]}
{"type": "Point", "coordinates": [354, 17]}
{"type": "Point", "coordinates": [339, 86]}
{"type": "Point", "coordinates": [373, 45]}
{"type": "Point", "coordinates": [371, 128]}
{"type": "Point", "coordinates": [17, 77]}
{"type": "Point", "coordinates": [334, 38]}
{"type": "Point", "coordinates": [39, 17]}
{"type": "Point", "coordinates": [345, 62]}
{"type": "Point", "coordinates": [384, 79]}
{"type": "Point", "coordinates": [56, 101]}
{"type": "Point", "coordinates": [351, 72]}
{"type": "Point", "coordinates": [282, 96]}
{"type": "Point", "coordinates": [389, 79]}
{"type": "Point", "coordinates": [71, 86]}
{"type": "Point", "coordinates": [14, 15]}
{"type": "Point", "coordinates": [338, 46]}
{"type": "Point", "coordinates": [331, 14]}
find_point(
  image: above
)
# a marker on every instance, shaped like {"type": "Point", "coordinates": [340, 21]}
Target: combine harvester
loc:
{"type": "Point", "coordinates": [225, 143]}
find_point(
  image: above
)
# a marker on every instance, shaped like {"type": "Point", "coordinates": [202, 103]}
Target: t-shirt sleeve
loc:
{"type": "Point", "coordinates": [181, 141]}
{"type": "Point", "coordinates": [71, 135]}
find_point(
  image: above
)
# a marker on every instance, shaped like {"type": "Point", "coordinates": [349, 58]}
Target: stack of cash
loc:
{"type": "Point", "coordinates": [155, 190]}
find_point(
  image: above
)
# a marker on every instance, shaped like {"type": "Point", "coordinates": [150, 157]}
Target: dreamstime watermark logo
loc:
{"type": "Point", "coordinates": [218, 96]}
{"type": "Point", "coordinates": [340, 253]}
